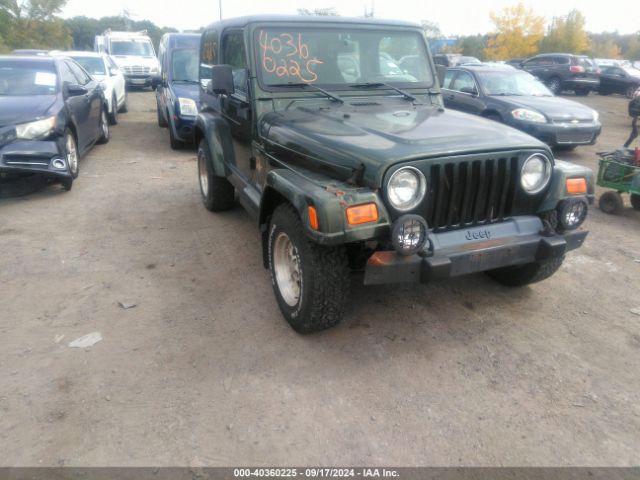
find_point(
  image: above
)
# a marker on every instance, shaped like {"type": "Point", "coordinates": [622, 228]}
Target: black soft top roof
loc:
{"type": "Point", "coordinates": [319, 19]}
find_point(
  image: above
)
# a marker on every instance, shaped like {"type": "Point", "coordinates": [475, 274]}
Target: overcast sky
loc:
{"type": "Point", "coordinates": [461, 17]}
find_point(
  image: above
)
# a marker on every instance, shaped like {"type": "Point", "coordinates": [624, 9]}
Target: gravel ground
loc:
{"type": "Point", "coordinates": [204, 371]}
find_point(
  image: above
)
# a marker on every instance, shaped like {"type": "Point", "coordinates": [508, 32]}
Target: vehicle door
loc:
{"type": "Point", "coordinates": [533, 66]}
{"type": "Point", "coordinates": [465, 92]}
{"type": "Point", "coordinates": [448, 94]}
{"type": "Point", "coordinates": [117, 78]}
{"type": "Point", "coordinates": [613, 80]}
{"type": "Point", "coordinates": [78, 106]}
{"type": "Point", "coordinates": [236, 108]}
{"type": "Point", "coordinates": [95, 97]}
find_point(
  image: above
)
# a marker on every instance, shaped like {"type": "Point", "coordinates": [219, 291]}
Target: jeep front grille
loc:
{"type": "Point", "coordinates": [465, 193]}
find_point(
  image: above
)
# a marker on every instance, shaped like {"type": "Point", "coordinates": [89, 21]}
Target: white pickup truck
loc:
{"type": "Point", "coordinates": [134, 54]}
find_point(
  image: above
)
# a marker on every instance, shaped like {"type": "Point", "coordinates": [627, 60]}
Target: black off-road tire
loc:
{"type": "Point", "coordinates": [325, 276]}
{"type": "Point", "coordinates": [67, 183]}
{"type": "Point", "coordinates": [113, 116]}
{"type": "Point", "coordinates": [611, 202]}
{"type": "Point", "coordinates": [220, 194]}
{"type": "Point", "coordinates": [521, 275]}
{"type": "Point", "coordinates": [162, 123]}
{"type": "Point", "coordinates": [635, 201]}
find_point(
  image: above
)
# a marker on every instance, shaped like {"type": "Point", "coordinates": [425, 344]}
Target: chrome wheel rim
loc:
{"type": "Point", "coordinates": [286, 266]}
{"type": "Point", "coordinates": [202, 174]}
{"type": "Point", "coordinates": [72, 154]}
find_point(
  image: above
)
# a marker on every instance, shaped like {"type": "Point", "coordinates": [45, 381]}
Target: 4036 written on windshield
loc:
{"type": "Point", "coordinates": [287, 56]}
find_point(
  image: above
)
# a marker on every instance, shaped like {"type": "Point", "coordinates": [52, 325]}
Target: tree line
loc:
{"type": "Point", "coordinates": [35, 24]}
{"type": "Point", "coordinates": [520, 33]}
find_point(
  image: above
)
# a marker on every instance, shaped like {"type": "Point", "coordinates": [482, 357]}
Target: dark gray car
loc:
{"type": "Point", "coordinates": [563, 71]}
{"type": "Point", "coordinates": [518, 99]}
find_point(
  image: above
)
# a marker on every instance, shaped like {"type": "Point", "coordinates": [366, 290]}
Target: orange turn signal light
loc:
{"type": "Point", "coordinates": [576, 186]}
{"type": "Point", "coordinates": [313, 218]}
{"type": "Point", "coordinates": [360, 214]}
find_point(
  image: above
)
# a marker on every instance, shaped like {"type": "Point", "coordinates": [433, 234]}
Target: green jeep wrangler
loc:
{"type": "Point", "coordinates": [333, 134]}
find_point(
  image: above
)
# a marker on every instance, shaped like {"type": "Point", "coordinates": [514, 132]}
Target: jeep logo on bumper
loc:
{"type": "Point", "coordinates": [478, 235]}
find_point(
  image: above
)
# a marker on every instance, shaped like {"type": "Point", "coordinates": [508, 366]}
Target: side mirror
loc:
{"type": "Point", "coordinates": [221, 80]}
{"type": "Point", "coordinates": [113, 71]}
{"type": "Point", "coordinates": [469, 91]}
{"type": "Point", "coordinates": [73, 90]}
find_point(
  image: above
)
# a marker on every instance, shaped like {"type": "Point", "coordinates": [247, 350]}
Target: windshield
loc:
{"type": "Point", "coordinates": [511, 82]}
{"type": "Point", "coordinates": [184, 65]}
{"type": "Point", "coordinates": [341, 57]}
{"type": "Point", "coordinates": [21, 79]}
{"type": "Point", "coordinates": [137, 48]}
{"type": "Point", "coordinates": [93, 65]}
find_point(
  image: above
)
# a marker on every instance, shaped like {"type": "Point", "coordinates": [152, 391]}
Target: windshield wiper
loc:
{"type": "Point", "coordinates": [404, 94]}
{"type": "Point", "coordinates": [330, 95]}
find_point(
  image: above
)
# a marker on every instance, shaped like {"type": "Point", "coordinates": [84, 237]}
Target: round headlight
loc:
{"type": "Point", "coordinates": [406, 188]}
{"type": "Point", "coordinates": [535, 175]}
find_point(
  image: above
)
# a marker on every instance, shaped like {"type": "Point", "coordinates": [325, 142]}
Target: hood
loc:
{"type": "Point", "coordinates": [186, 90]}
{"type": "Point", "coordinates": [556, 108]}
{"type": "Point", "coordinates": [135, 61]}
{"type": "Point", "coordinates": [381, 132]}
{"type": "Point", "coordinates": [16, 110]}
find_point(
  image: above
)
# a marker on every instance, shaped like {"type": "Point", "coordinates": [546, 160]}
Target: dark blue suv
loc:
{"type": "Point", "coordinates": [177, 90]}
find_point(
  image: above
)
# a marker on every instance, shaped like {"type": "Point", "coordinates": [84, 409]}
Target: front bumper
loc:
{"type": "Point", "coordinates": [138, 80]}
{"type": "Point", "coordinates": [517, 241]}
{"type": "Point", "coordinates": [34, 156]}
{"type": "Point", "coordinates": [556, 134]}
{"type": "Point", "coordinates": [183, 128]}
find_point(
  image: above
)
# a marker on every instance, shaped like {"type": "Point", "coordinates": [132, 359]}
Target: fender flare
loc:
{"type": "Point", "coordinates": [557, 192]}
{"type": "Point", "coordinates": [215, 130]}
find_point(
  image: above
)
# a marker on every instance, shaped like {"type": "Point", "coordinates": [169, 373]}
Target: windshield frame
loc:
{"type": "Point", "coordinates": [253, 53]}
{"type": "Point", "coordinates": [50, 68]}
{"type": "Point", "coordinates": [131, 40]}
{"type": "Point", "coordinates": [79, 58]}
{"type": "Point", "coordinates": [171, 76]}
{"type": "Point", "coordinates": [480, 82]}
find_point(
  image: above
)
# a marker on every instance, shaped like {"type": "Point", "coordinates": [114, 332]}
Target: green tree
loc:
{"type": "Point", "coordinates": [431, 29]}
{"type": "Point", "coordinates": [33, 24]}
{"type": "Point", "coordinates": [604, 48]}
{"type": "Point", "coordinates": [517, 33]}
{"type": "Point", "coordinates": [566, 34]}
{"type": "Point", "coordinates": [473, 46]}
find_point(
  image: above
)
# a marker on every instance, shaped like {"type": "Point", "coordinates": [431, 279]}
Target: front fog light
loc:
{"type": "Point", "coordinates": [59, 164]}
{"type": "Point", "coordinates": [572, 214]}
{"type": "Point", "coordinates": [409, 234]}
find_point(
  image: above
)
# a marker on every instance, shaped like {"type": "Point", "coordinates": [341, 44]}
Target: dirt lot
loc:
{"type": "Point", "coordinates": [204, 371]}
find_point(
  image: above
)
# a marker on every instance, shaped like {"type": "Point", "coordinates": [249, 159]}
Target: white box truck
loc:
{"type": "Point", "coordinates": [134, 54]}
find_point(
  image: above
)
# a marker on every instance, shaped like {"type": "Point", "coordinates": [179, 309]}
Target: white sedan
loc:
{"type": "Point", "coordinates": [101, 67]}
